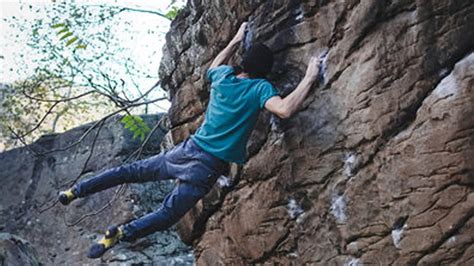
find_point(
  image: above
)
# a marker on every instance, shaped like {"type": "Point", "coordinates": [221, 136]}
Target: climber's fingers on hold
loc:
{"type": "Point", "coordinates": [241, 32]}
{"type": "Point", "coordinates": [243, 26]}
{"type": "Point", "coordinates": [313, 66]}
{"type": "Point", "coordinates": [315, 59]}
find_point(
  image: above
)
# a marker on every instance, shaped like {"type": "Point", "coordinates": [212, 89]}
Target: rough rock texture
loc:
{"type": "Point", "coordinates": [30, 184]}
{"type": "Point", "coordinates": [376, 168]}
{"type": "Point", "coordinates": [16, 251]}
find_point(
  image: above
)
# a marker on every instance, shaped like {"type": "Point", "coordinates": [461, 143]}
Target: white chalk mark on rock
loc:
{"type": "Point", "coordinates": [224, 181]}
{"type": "Point", "coordinates": [397, 235]}
{"type": "Point", "coordinates": [293, 255]}
{"type": "Point", "coordinates": [443, 72]}
{"type": "Point", "coordinates": [300, 218]}
{"type": "Point", "coordinates": [350, 161]}
{"type": "Point", "coordinates": [299, 14]}
{"type": "Point", "coordinates": [352, 262]}
{"type": "Point", "coordinates": [323, 66]}
{"type": "Point", "coordinates": [447, 87]}
{"type": "Point", "coordinates": [451, 240]}
{"type": "Point", "coordinates": [338, 208]}
{"type": "Point", "coordinates": [294, 210]}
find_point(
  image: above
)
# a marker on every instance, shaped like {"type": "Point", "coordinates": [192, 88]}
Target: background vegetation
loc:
{"type": "Point", "coordinates": [83, 62]}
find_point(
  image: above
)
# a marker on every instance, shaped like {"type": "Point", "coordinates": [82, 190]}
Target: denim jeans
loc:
{"type": "Point", "coordinates": [196, 170]}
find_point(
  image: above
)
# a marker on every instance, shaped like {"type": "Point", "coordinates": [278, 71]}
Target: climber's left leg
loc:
{"type": "Point", "coordinates": [183, 197]}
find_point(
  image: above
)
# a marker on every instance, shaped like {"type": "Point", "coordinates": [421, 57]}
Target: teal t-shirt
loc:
{"type": "Point", "coordinates": [232, 113]}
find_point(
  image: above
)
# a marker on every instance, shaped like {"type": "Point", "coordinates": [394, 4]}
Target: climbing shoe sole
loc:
{"type": "Point", "coordinates": [111, 238]}
{"type": "Point", "coordinates": [67, 196]}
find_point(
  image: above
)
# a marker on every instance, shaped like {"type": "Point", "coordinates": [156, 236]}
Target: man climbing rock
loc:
{"type": "Point", "coordinates": [237, 97]}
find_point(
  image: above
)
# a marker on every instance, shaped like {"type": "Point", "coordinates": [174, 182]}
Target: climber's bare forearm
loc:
{"type": "Point", "coordinates": [294, 100]}
{"type": "Point", "coordinates": [225, 54]}
{"type": "Point", "coordinates": [285, 107]}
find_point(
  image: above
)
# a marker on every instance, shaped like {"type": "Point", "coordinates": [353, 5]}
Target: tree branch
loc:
{"type": "Point", "coordinates": [99, 121]}
{"type": "Point", "coordinates": [50, 110]}
{"type": "Point", "coordinates": [57, 100]}
{"type": "Point", "coordinates": [144, 11]}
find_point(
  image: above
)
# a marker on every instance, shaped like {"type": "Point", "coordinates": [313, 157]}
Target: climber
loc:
{"type": "Point", "coordinates": [236, 98]}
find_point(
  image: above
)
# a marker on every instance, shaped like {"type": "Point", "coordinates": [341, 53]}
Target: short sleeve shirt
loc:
{"type": "Point", "coordinates": [232, 113]}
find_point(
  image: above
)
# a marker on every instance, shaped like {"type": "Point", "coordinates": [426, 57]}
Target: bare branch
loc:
{"type": "Point", "coordinates": [144, 11]}
{"type": "Point", "coordinates": [39, 210]}
{"type": "Point", "coordinates": [130, 9]}
{"type": "Point", "coordinates": [116, 195]}
{"type": "Point", "coordinates": [71, 183]}
{"type": "Point", "coordinates": [99, 121]}
{"type": "Point", "coordinates": [23, 141]}
{"type": "Point", "coordinates": [50, 110]}
{"type": "Point", "coordinates": [149, 135]}
{"type": "Point", "coordinates": [57, 100]}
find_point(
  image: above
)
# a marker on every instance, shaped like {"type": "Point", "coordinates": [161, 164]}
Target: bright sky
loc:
{"type": "Point", "coordinates": [12, 47]}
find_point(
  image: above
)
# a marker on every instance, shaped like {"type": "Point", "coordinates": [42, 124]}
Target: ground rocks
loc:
{"type": "Point", "coordinates": [379, 159]}
{"type": "Point", "coordinates": [16, 251]}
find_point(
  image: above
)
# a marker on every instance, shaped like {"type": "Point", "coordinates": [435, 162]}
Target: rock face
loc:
{"type": "Point", "coordinates": [16, 251]}
{"type": "Point", "coordinates": [29, 185]}
{"type": "Point", "coordinates": [377, 166]}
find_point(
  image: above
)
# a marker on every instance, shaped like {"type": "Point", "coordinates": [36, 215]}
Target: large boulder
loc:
{"type": "Point", "coordinates": [377, 166]}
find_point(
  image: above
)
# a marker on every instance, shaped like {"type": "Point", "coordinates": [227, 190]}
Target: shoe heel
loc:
{"type": "Point", "coordinates": [111, 232]}
{"type": "Point", "coordinates": [67, 196]}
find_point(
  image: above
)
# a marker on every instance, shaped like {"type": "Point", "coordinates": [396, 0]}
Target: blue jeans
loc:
{"type": "Point", "coordinates": [196, 170]}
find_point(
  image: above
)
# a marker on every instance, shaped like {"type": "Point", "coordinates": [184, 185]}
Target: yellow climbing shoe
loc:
{"type": "Point", "coordinates": [67, 196]}
{"type": "Point", "coordinates": [111, 238]}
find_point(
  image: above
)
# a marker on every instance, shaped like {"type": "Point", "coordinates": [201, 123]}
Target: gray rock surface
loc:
{"type": "Point", "coordinates": [30, 184]}
{"type": "Point", "coordinates": [376, 168]}
{"type": "Point", "coordinates": [15, 251]}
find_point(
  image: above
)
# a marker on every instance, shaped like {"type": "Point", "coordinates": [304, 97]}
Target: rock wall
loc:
{"type": "Point", "coordinates": [377, 166]}
{"type": "Point", "coordinates": [16, 251]}
{"type": "Point", "coordinates": [29, 185]}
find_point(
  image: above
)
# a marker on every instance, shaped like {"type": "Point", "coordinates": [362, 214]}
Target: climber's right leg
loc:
{"type": "Point", "coordinates": [150, 169]}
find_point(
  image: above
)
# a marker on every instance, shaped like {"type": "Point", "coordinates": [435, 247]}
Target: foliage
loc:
{"type": "Point", "coordinates": [135, 124]}
{"type": "Point", "coordinates": [66, 33]}
{"type": "Point", "coordinates": [173, 12]}
{"type": "Point", "coordinates": [24, 105]}
{"type": "Point", "coordinates": [73, 48]}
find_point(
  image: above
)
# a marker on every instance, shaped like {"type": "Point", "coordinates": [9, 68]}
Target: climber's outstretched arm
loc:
{"type": "Point", "coordinates": [285, 107]}
{"type": "Point", "coordinates": [225, 54]}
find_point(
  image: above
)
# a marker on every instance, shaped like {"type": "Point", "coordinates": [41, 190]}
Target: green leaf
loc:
{"type": "Point", "coordinates": [125, 119]}
{"type": "Point", "coordinates": [136, 125]}
{"type": "Point", "coordinates": [59, 25]}
{"type": "Point", "coordinates": [65, 36]}
{"type": "Point", "coordinates": [71, 41]}
{"type": "Point", "coordinates": [172, 13]}
{"type": "Point", "coordinates": [62, 31]}
{"type": "Point", "coordinates": [136, 134]}
{"type": "Point", "coordinates": [129, 124]}
{"type": "Point", "coordinates": [81, 46]}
